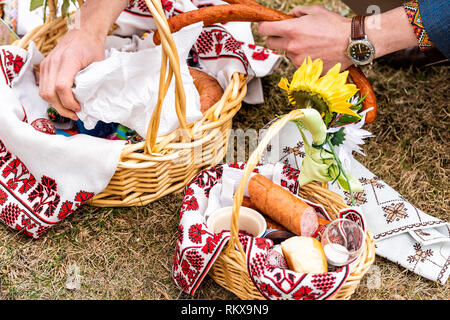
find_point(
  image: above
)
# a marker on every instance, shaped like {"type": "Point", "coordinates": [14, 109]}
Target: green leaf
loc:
{"type": "Point", "coordinates": [338, 137]}
{"type": "Point", "coordinates": [345, 119]}
{"type": "Point", "coordinates": [34, 4]}
{"type": "Point", "coordinates": [65, 7]}
{"type": "Point", "coordinates": [299, 124]}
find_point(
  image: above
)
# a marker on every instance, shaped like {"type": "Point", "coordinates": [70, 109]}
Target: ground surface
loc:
{"type": "Point", "coordinates": [127, 253]}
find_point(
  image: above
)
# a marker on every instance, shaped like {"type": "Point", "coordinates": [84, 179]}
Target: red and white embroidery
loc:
{"type": "Point", "coordinates": [27, 205]}
{"type": "Point", "coordinates": [260, 53]}
{"type": "Point", "coordinates": [276, 283]}
{"type": "Point", "coordinates": [10, 64]}
{"type": "Point", "coordinates": [140, 8]}
{"type": "Point", "coordinates": [215, 42]}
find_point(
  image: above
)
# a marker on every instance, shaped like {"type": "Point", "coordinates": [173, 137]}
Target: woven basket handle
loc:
{"type": "Point", "coordinates": [253, 160]}
{"type": "Point", "coordinates": [170, 66]}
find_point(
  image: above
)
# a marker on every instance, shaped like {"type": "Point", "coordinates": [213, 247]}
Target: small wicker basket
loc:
{"type": "Point", "coordinates": [230, 268]}
{"type": "Point", "coordinates": [160, 165]}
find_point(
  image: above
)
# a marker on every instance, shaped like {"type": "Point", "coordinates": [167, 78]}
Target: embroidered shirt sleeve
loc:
{"type": "Point", "coordinates": [413, 13]}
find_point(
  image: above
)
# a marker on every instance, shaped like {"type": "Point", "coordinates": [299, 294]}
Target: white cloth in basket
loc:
{"type": "Point", "coordinates": [124, 87]}
{"type": "Point", "coordinates": [43, 178]}
{"type": "Point", "coordinates": [403, 233]}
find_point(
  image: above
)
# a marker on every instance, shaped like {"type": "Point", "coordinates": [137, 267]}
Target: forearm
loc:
{"type": "Point", "coordinates": [98, 16]}
{"type": "Point", "coordinates": [390, 32]}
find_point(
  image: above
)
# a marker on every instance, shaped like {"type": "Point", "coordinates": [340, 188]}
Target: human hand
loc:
{"type": "Point", "coordinates": [316, 32]}
{"type": "Point", "coordinates": [74, 52]}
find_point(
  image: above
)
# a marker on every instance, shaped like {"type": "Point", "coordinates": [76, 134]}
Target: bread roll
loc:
{"type": "Point", "coordinates": [304, 255]}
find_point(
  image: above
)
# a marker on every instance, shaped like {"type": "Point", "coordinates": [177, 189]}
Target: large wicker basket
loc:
{"type": "Point", "coordinates": [230, 269]}
{"type": "Point", "coordinates": [160, 165]}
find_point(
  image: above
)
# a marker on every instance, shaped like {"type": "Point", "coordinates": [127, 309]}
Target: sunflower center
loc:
{"type": "Point", "coordinates": [304, 99]}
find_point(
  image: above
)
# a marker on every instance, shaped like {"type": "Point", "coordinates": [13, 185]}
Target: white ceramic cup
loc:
{"type": "Point", "coordinates": [250, 221]}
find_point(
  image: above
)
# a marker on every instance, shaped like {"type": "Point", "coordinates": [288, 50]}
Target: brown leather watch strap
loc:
{"type": "Point", "coordinates": [358, 31]}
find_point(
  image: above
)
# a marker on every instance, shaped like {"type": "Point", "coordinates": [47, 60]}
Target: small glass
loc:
{"type": "Point", "coordinates": [343, 242]}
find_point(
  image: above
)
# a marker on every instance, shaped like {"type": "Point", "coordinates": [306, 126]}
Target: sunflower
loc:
{"type": "Point", "coordinates": [329, 94]}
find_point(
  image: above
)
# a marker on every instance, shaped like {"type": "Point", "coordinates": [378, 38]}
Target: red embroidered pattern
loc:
{"type": "Point", "coordinates": [28, 206]}
{"type": "Point", "coordinates": [215, 42]}
{"type": "Point", "coordinates": [10, 65]}
{"type": "Point", "coordinates": [413, 13]}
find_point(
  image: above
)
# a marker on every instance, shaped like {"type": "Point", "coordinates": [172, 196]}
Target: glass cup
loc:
{"type": "Point", "coordinates": [343, 242]}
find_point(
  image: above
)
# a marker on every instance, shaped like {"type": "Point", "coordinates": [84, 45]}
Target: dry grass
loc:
{"type": "Point", "coordinates": [127, 253]}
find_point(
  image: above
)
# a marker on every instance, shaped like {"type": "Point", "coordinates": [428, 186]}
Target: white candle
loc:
{"type": "Point", "coordinates": [336, 254]}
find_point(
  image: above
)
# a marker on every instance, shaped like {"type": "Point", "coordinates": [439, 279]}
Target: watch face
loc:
{"type": "Point", "coordinates": [361, 51]}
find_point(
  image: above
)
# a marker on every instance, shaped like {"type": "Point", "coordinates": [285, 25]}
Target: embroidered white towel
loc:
{"type": "Point", "coordinates": [44, 178]}
{"type": "Point", "coordinates": [403, 234]}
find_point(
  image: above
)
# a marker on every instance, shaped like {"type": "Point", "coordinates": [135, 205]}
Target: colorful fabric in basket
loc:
{"type": "Point", "coordinates": [197, 247]}
{"type": "Point", "coordinates": [402, 232]}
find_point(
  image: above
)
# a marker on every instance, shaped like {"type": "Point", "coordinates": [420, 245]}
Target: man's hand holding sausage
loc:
{"type": "Point", "coordinates": [320, 33]}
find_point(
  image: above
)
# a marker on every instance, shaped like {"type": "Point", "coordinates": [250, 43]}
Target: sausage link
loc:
{"type": "Point", "coordinates": [282, 206]}
{"type": "Point", "coordinates": [222, 14]}
{"type": "Point", "coordinates": [365, 88]}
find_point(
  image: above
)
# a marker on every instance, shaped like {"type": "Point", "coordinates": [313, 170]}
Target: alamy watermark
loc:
{"type": "Point", "coordinates": [374, 12]}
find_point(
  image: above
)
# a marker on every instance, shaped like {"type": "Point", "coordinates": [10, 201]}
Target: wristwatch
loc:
{"type": "Point", "coordinates": [359, 49]}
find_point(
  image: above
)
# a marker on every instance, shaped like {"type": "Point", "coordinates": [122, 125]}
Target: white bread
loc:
{"type": "Point", "coordinates": [304, 255]}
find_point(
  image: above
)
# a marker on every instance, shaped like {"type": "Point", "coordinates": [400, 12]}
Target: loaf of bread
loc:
{"type": "Point", "coordinates": [304, 255]}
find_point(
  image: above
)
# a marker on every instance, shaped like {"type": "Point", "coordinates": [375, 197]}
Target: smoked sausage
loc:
{"type": "Point", "coordinates": [282, 206]}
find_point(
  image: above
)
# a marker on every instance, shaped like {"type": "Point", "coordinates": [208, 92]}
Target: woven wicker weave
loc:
{"type": "Point", "coordinates": [230, 268]}
{"type": "Point", "coordinates": [161, 165]}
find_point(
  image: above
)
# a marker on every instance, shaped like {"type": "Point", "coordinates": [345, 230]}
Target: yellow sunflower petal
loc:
{"type": "Point", "coordinates": [325, 83]}
{"type": "Point", "coordinates": [341, 79]}
{"type": "Point", "coordinates": [335, 70]}
{"type": "Point", "coordinates": [298, 76]}
{"type": "Point", "coordinates": [316, 71]}
{"type": "Point", "coordinates": [343, 93]}
{"type": "Point", "coordinates": [344, 108]}
{"type": "Point", "coordinates": [284, 84]}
